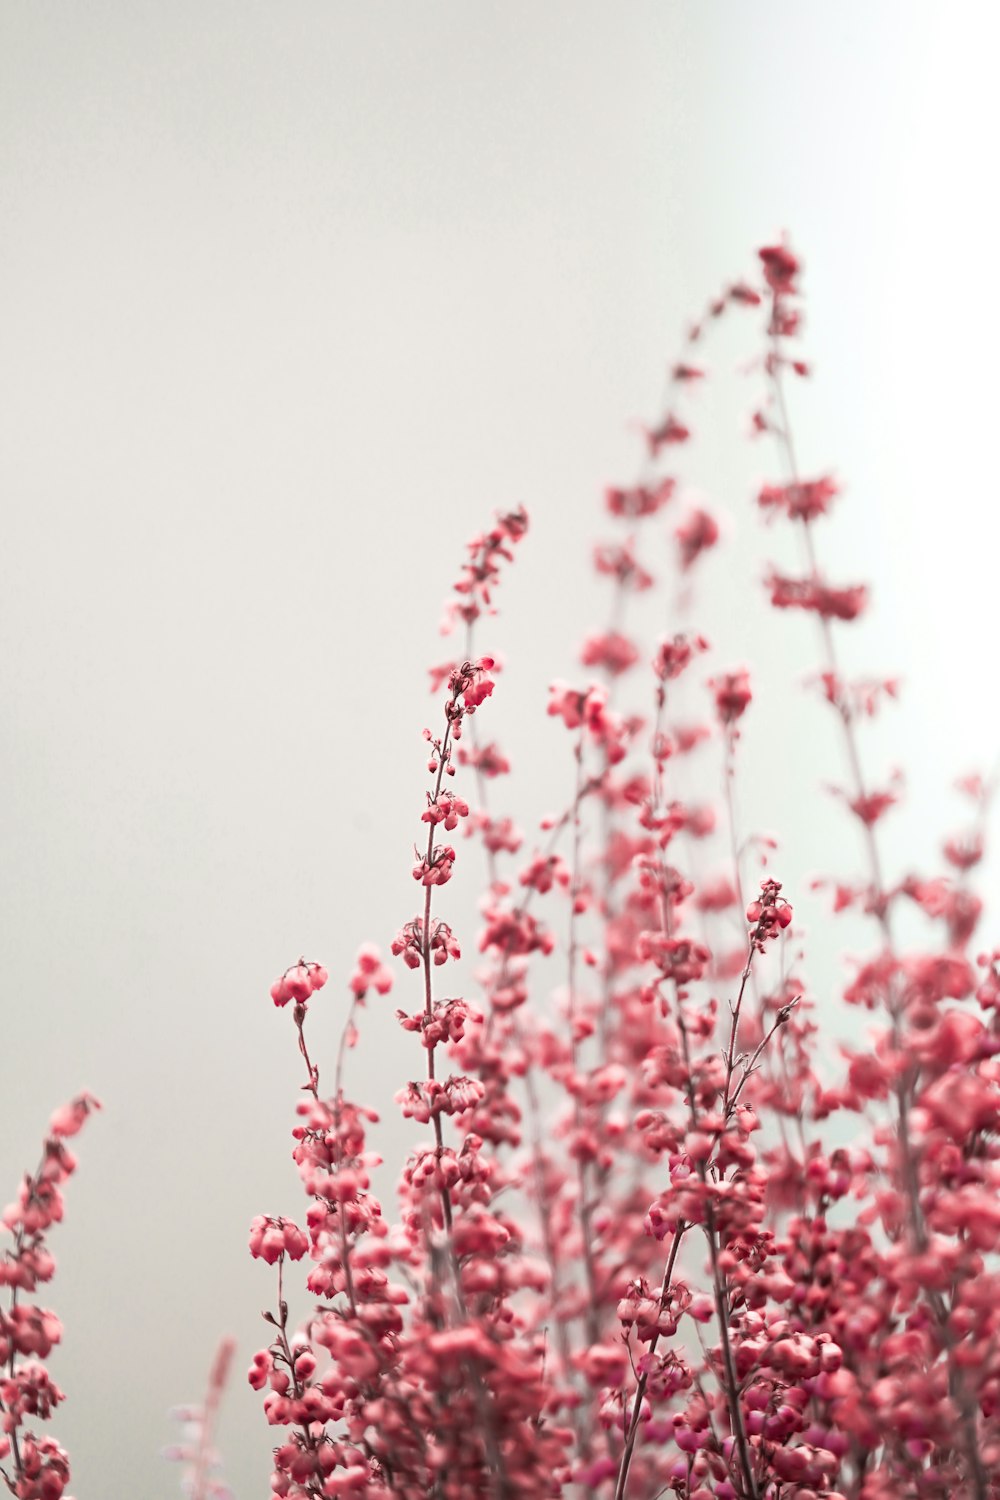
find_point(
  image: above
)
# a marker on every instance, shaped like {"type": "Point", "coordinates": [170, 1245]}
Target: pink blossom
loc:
{"type": "Point", "coordinates": [732, 696]}
{"type": "Point", "coordinates": [696, 535]}
{"type": "Point", "coordinates": [370, 972]}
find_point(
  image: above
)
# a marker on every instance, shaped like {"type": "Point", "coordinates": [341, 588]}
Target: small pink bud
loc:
{"type": "Point", "coordinates": [297, 980]}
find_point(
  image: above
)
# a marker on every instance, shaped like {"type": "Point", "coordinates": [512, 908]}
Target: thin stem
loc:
{"type": "Point", "coordinates": [308, 1441]}
{"type": "Point", "coordinates": [443, 759]}
{"type": "Point", "coordinates": [338, 1077]}
{"type": "Point", "coordinates": [586, 1230]}
{"type": "Point", "coordinates": [731, 1383]}
{"type": "Point", "coordinates": [643, 1381]}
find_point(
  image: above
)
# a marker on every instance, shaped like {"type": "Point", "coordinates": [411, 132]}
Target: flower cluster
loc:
{"type": "Point", "coordinates": [298, 982]}
{"type": "Point", "coordinates": [32, 1465]}
{"type": "Point", "coordinates": [634, 1254]}
{"type": "Point", "coordinates": [657, 1230]}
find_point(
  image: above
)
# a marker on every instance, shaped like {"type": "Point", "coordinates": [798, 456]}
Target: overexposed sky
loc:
{"type": "Point", "coordinates": [293, 297]}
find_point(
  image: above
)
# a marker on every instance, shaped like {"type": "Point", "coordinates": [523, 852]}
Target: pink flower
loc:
{"type": "Point", "coordinates": [780, 268]}
{"type": "Point", "coordinates": [71, 1117]}
{"type": "Point", "coordinates": [669, 431]}
{"type": "Point", "coordinates": [298, 983]}
{"type": "Point", "coordinates": [802, 502]}
{"type": "Point", "coordinates": [640, 500]}
{"type": "Point", "coordinates": [696, 535]}
{"type": "Point", "coordinates": [613, 651]}
{"type": "Point", "coordinates": [370, 972]}
{"type": "Point", "coordinates": [271, 1238]}
{"type": "Point", "coordinates": [732, 696]}
{"type": "Point", "coordinates": [810, 594]}
{"type": "Point", "coordinates": [673, 656]}
{"type": "Point", "coordinates": [436, 868]}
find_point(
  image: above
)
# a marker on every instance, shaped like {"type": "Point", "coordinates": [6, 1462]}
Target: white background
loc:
{"type": "Point", "coordinates": [293, 296]}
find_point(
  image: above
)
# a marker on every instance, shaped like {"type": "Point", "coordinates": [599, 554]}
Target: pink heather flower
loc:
{"type": "Point", "coordinates": [810, 594]}
{"type": "Point", "coordinates": [45, 1469]}
{"type": "Point", "coordinates": [964, 853]}
{"type": "Point", "coordinates": [260, 1370]}
{"type": "Point", "coordinates": [803, 502]}
{"type": "Point", "coordinates": [446, 809]}
{"type": "Point", "coordinates": [70, 1118]}
{"type": "Point", "coordinates": [673, 656]}
{"type": "Point", "coordinates": [473, 589]}
{"type": "Point", "coordinates": [621, 563]}
{"type": "Point", "coordinates": [437, 869]}
{"type": "Point", "coordinates": [780, 268]}
{"type": "Point", "coordinates": [32, 1331]}
{"type": "Point", "coordinates": [496, 833]}
{"type": "Point", "coordinates": [271, 1238]}
{"type": "Point", "coordinates": [640, 500]}
{"type": "Point", "coordinates": [612, 651]}
{"type": "Point", "coordinates": [670, 431]}
{"type": "Point", "coordinates": [696, 535]}
{"type": "Point", "coordinates": [716, 895]}
{"type": "Point", "coordinates": [589, 709]}
{"type": "Point", "coordinates": [472, 683]}
{"type": "Point", "coordinates": [408, 943]}
{"type": "Point", "coordinates": [732, 695]}
{"type": "Point", "coordinates": [298, 983]}
{"type": "Point", "coordinates": [370, 972]}
{"type": "Point", "coordinates": [544, 871]}
{"type": "Point", "coordinates": [569, 704]}
{"type": "Point", "coordinates": [489, 760]}
{"type": "Point", "coordinates": [769, 915]}
{"type": "Point", "coordinates": [742, 293]}
{"type": "Point", "coordinates": [687, 737]}
{"type": "Point", "coordinates": [872, 806]}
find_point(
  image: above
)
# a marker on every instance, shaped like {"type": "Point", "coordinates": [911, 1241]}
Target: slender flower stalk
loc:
{"type": "Point", "coordinates": [33, 1464]}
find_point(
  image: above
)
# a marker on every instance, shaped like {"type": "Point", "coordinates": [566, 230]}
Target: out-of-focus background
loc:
{"type": "Point", "coordinates": [293, 297]}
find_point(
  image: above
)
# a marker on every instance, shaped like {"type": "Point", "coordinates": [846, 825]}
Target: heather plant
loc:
{"type": "Point", "coordinates": [655, 1234]}
{"type": "Point", "coordinates": [201, 1472]}
{"type": "Point", "coordinates": [33, 1465]}
{"type": "Point", "coordinates": [633, 1259]}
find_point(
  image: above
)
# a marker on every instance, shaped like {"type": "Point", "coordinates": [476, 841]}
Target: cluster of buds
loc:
{"type": "Point", "coordinates": [38, 1466]}
{"type": "Point", "coordinates": [408, 943]}
{"type": "Point", "coordinates": [812, 594]}
{"type": "Point", "coordinates": [732, 696]}
{"type": "Point", "coordinates": [769, 914]}
{"type": "Point", "coordinates": [639, 500]}
{"type": "Point", "coordinates": [446, 808]}
{"type": "Point", "coordinates": [801, 501]}
{"type": "Point", "coordinates": [434, 868]}
{"type": "Point", "coordinates": [474, 587]}
{"type": "Point", "coordinates": [675, 654]}
{"type": "Point", "coordinates": [298, 982]}
{"type": "Point", "coordinates": [272, 1238]}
